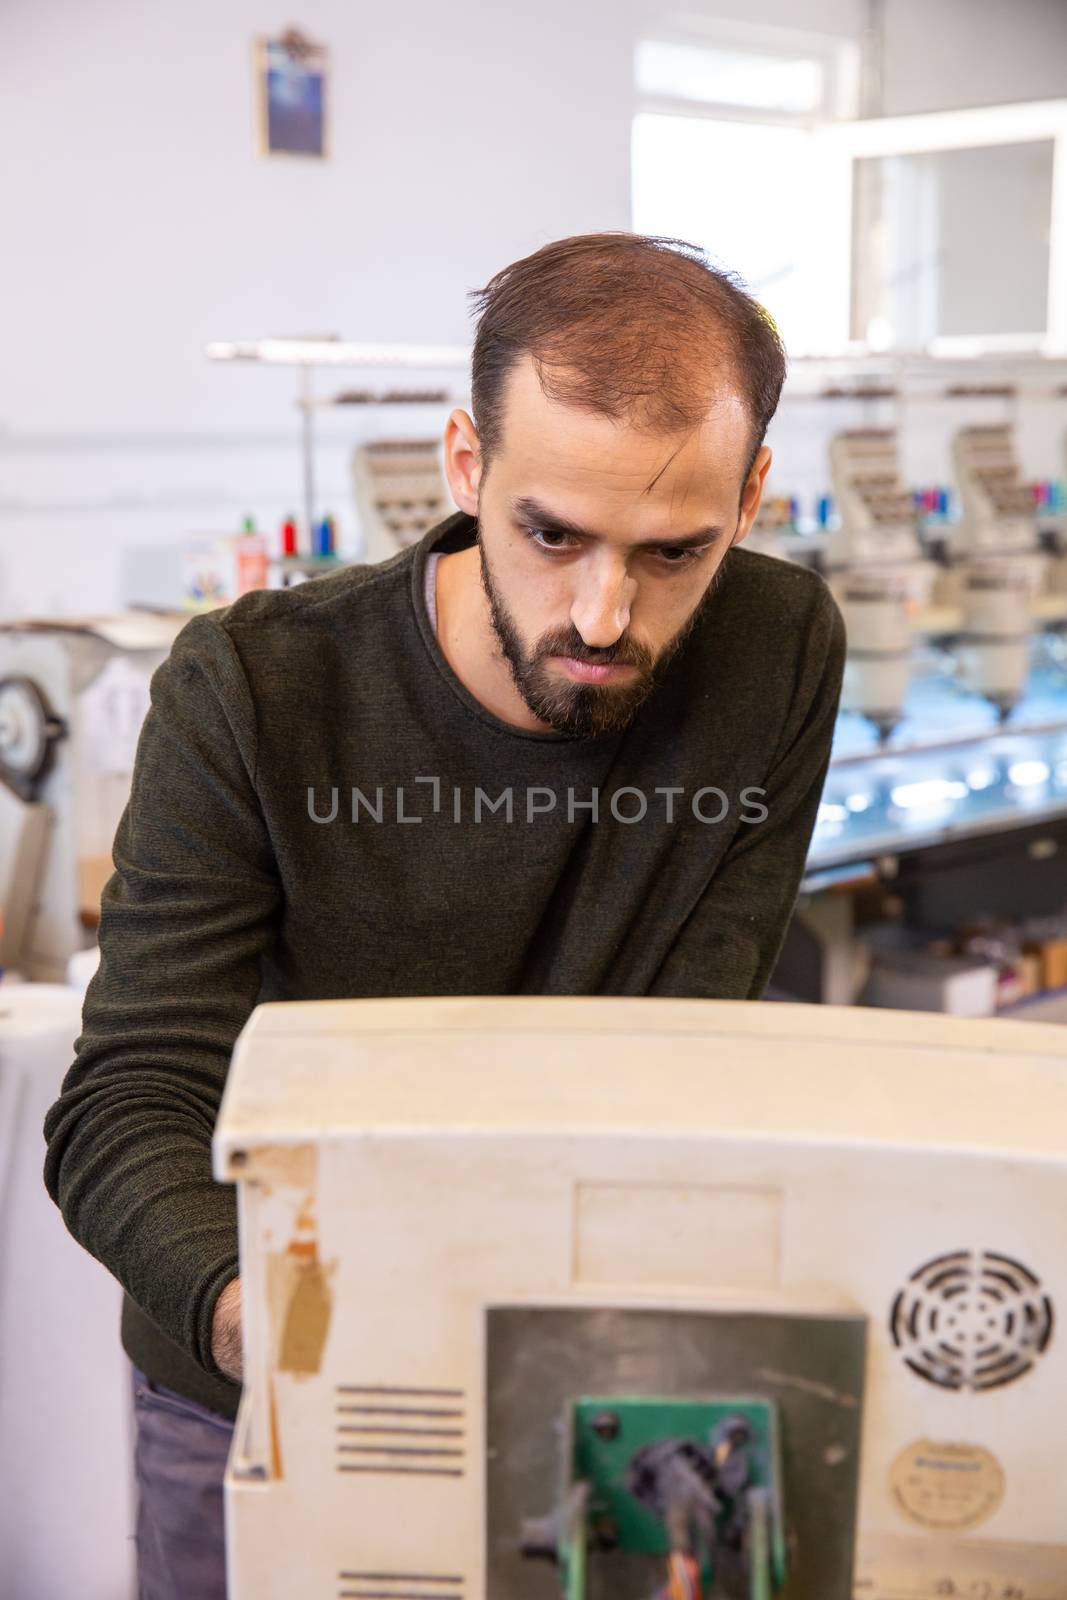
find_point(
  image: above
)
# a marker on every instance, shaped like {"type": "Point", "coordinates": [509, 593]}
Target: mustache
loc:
{"type": "Point", "coordinates": [569, 642]}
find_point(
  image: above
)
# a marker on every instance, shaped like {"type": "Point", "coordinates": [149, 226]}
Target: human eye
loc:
{"type": "Point", "coordinates": [676, 557]}
{"type": "Point", "coordinates": [552, 539]}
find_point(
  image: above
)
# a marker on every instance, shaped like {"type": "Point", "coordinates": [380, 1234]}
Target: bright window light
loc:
{"type": "Point", "coordinates": [763, 82]}
{"type": "Point", "coordinates": [764, 201]}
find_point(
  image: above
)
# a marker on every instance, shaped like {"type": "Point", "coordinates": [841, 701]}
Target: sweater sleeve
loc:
{"type": "Point", "coordinates": [728, 946]}
{"type": "Point", "coordinates": [190, 907]}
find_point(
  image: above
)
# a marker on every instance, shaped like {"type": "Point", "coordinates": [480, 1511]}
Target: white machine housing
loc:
{"type": "Point", "coordinates": [874, 605]}
{"type": "Point", "coordinates": [879, 524]}
{"type": "Point", "coordinates": [999, 517]}
{"type": "Point", "coordinates": [403, 1166]}
{"type": "Point", "coordinates": [400, 492]}
{"type": "Point", "coordinates": [993, 653]}
{"type": "Point", "coordinates": [55, 849]}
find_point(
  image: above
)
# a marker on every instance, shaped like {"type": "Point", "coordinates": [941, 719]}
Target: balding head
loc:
{"type": "Point", "coordinates": [635, 329]}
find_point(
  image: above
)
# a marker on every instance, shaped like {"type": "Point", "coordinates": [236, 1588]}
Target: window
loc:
{"type": "Point", "coordinates": [728, 154]}
{"type": "Point", "coordinates": [959, 238]}
{"type": "Point", "coordinates": [729, 77]}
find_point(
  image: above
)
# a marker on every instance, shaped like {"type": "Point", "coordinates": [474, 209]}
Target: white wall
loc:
{"type": "Point", "coordinates": [139, 222]}
{"type": "Point", "coordinates": [944, 54]}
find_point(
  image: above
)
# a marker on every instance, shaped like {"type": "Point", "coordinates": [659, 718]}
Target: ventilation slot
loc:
{"type": "Point", "coordinates": [971, 1320]}
{"type": "Point", "coordinates": [415, 1433]}
{"type": "Point", "coordinates": [398, 1586]}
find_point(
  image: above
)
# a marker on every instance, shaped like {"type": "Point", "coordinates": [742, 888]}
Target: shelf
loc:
{"type": "Point", "coordinates": [339, 353]}
{"type": "Point", "coordinates": [387, 397]}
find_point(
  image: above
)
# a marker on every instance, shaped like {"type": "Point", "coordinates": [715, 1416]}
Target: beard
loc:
{"type": "Point", "coordinates": [583, 710]}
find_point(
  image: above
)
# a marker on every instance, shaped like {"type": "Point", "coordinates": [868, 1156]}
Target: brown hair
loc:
{"type": "Point", "coordinates": [628, 326]}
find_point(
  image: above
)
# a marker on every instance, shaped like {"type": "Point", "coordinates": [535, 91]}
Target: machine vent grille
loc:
{"type": "Point", "coordinates": [398, 1586]}
{"type": "Point", "coordinates": [397, 1432]}
{"type": "Point", "coordinates": [971, 1320]}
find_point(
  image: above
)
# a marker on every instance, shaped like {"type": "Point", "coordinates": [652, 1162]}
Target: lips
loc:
{"type": "Point", "coordinates": [593, 672]}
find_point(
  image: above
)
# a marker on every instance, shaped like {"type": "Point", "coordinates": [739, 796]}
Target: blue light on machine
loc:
{"type": "Point", "coordinates": [829, 812]}
{"type": "Point", "coordinates": [857, 802]}
{"type": "Point", "coordinates": [981, 778]}
{"type": "Point", "coordinates": [1029, 774]}
{"type": "Point", "coordinates": [932, 792]}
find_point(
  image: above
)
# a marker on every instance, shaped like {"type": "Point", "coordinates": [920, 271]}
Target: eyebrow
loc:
{"type": "Point", "coordinates": [538, 516]}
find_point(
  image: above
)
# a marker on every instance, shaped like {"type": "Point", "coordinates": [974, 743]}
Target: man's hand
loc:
{"type": "Point", "coordinates": [226, 1331]}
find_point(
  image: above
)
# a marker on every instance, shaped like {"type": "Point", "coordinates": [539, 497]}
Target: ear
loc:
{"type": "Point", "coordinates": [752, 494]}
{"type": "Point", "coordinates": [463, 461]}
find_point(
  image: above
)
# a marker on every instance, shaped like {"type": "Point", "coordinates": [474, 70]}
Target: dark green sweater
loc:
{"type": "Point", "coordinates": [226, 891]}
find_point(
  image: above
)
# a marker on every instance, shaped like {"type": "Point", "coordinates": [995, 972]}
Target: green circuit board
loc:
{"type": "Point", "coordinates": [604, 1435]}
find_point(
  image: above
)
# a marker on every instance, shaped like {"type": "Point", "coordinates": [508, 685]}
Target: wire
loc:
{"type": "Point", "coordinates": [759, 1548]}
{"type": "Point", "coordinates": [683, 1578]}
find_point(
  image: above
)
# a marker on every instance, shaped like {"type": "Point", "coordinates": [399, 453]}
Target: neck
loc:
{"type": "Point", "coordinates": [469, 643]}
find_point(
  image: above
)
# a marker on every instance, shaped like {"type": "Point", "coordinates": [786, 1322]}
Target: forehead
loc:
{"type": "Point", "coordinates": [580, 462]}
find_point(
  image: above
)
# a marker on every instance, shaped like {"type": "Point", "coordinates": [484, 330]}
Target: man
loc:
{"type": "Point", "coordinates": [573, 743]}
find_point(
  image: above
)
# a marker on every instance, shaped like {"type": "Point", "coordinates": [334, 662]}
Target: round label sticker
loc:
{"type": "Point", "coordinates": [946, 1485]}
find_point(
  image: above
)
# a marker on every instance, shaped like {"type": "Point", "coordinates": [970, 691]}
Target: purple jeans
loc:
{"type": "Point", "coordinates": [180, 1460]}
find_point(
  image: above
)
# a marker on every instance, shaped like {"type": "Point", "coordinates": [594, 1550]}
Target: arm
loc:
{"type": "Point", "coordinates": [226, 1331]}
{"type": "Point", "coordinates": [728, 946]}
{"type": "Point", "coordinates": [190, 908]}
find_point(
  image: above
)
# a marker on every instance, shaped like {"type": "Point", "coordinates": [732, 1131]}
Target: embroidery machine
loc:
{"type": "Point", "coordinates": [632, 1298]}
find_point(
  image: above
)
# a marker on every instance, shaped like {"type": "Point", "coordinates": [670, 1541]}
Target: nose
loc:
{"type": "Point", "coordinates": [601, 609]}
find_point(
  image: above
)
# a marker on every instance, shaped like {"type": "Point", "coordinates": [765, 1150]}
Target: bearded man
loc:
{"type": "Point", "coordinates": [573, 742]}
